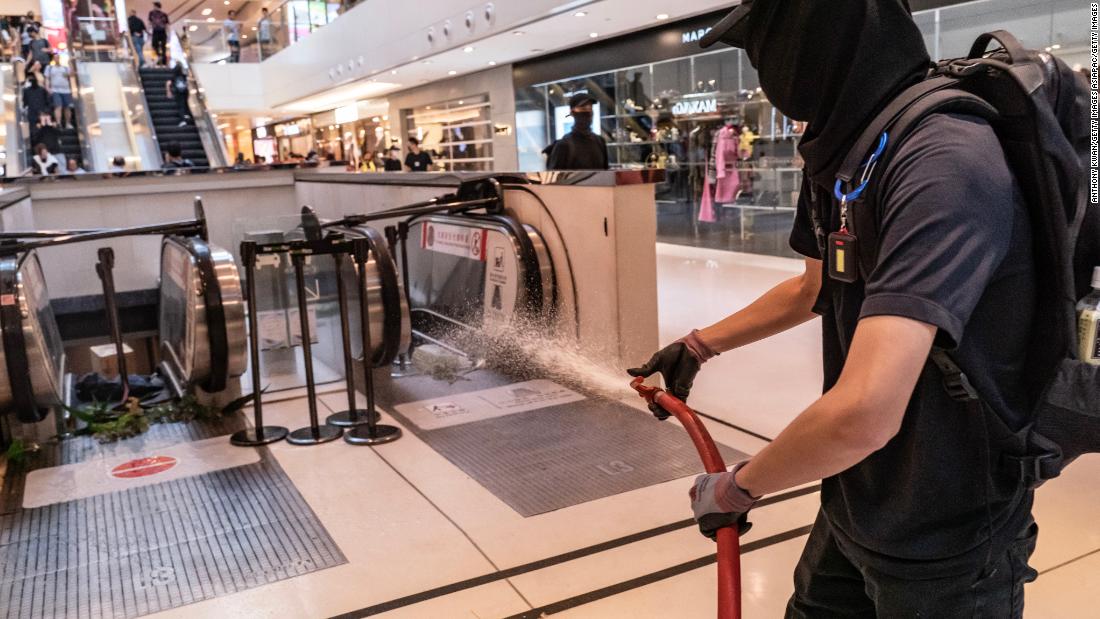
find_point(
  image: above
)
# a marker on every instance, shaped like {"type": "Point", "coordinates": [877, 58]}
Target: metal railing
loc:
{"type": "Point", "coordinates": [261, 37]}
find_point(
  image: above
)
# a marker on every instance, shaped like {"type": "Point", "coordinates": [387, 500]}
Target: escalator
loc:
{"type": "Point", "coordinates": [166, 119]}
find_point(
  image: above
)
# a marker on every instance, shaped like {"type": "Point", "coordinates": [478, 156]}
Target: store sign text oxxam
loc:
{"type": "Point", "coordinates": [695, 106]}
{"type": "Point", "coordinates": [692, 36]}
{"type": "Point", "coordinates": [454, 240]}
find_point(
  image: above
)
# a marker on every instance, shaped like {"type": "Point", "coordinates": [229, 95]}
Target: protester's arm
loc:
{"type": "Point", "coordinates": [855, 418]}
{"type": "Point", "coordinates": [787, 305]}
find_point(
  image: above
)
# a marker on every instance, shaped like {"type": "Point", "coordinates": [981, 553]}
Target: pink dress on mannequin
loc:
{"type": "Point", "coordinates": [727, 147]}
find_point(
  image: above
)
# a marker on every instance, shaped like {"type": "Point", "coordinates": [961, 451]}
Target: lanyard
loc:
{"type": "Point", "coordinates": [864, 179]}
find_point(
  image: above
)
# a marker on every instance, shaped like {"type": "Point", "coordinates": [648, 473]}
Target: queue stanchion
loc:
{"type": "Point", "coordinates": [259, 434]}
{"type": "Point", "coordinates": [353, 416]}
{"type": "Point", "coordinates": [402, 363]}
{"type": "Point", "coordinates": [373, 433]}
{"type": "Point", "coordinates": [314, 433]}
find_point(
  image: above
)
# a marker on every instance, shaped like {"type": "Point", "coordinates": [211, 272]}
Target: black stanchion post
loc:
{"type": "Point", "coordinates": [373, 433]}
{"type": "Point", "coordinates": [259, 434]}
{"type": "Point", "coordinates": [315, 433]}
{"type": "Point", "coordinates": [353, 416]}
{"type": "Point", "coordinates": [105, 269]}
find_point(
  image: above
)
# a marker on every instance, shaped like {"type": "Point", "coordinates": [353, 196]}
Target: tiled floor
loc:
{"type": "Point", "coordinates": [423, 540]}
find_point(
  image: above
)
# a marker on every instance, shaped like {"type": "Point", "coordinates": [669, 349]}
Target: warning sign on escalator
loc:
{"type": "Point", "coordinates": [501, 280]}
{"type": "Point", "coordinates": [460, 241]}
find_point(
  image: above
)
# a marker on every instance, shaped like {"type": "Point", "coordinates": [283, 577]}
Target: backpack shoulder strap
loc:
{"type": "Point", "coordinates": [867, 218]}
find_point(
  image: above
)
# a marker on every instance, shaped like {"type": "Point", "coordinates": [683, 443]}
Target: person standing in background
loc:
{"type": "Point", "coordinates": [137, 35]}
{"type": "Point", "coordinates": [581, 149]}
{"type": "Point", "coordinates": [61, 92]}
{"type": "Point", "coordinates": [232, 29]}
{"type": "Point", "coordinates": [417, 160]}
{"type": "Point", "coordinates": [263, 33]}
{"type": "Point", "coordinates": [158, 19]}
{"type": "Point", "coordinates": [392, 161]}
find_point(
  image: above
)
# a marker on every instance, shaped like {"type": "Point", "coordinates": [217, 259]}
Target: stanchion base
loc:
{"type": "Point", "coordinates": [249, 437]}
{"type": "Point", "coordinates": [362, 435]}
{"type": "Point", "coordinates": [402, 367]}
{"type": "Point", "coordinates": [306, 435]}
{"type": "Point", "coordinates": [343, 418]}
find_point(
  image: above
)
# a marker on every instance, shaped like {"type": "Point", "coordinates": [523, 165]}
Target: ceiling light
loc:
{"type": "Point", "coordinates": [462, 103]}
{"type": "Point", "coordinates": [253, 28]}
{"type": "Point", "coordinates": [427, 62]}
{"type": "Point", "coordinates": [519, 33]}
{"type": "Point", "coordinates": [452, 72]}
{"type": "Point", "coordinates": [206, 12]}
{"type": "Point", "coordinates": [492, 63]}
{"type": "Point", "coordinates": [593, 35]}
{"type": "Point", "coordinates": [394, 72]}
{"type": "Point", "coordinates": [416, 57]}
{"type": "Point", "coordinates": [579, 14]}
{"type": "Point", "coordinates": [468, 49]}
{"type": "Point", "coordinates": [1056, 46]}
{"type": "Point", "coordinates": [193, 28]}
{"type": "Point", "coordinates": [226, 3]}
{"type": "Point", "coordinates": [210, 20]}
{"type": "Point", "coordinates": [662, 16]}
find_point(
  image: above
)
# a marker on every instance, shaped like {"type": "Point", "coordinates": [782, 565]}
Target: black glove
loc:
{"type": "Point", "coordinates": [678, 365]}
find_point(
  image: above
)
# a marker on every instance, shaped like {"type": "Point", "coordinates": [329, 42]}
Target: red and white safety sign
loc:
{"type": "Point", "coordinates": [454, 240]}
{"type": "Point", "coordinates": [144, 467]}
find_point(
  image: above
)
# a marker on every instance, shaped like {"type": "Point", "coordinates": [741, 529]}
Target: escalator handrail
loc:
{"type": "Point", "coordinates": [209, 134]}
{"type": "Point", "coordinates": [22, 136]}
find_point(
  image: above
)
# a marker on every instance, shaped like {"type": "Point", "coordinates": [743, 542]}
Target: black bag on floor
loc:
{"type": "Point", "coordinates": [1039, 109]}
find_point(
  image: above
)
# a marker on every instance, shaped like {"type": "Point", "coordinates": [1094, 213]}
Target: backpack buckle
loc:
{"type": "Point", "coordinates": [1034, 470]}
{"type": "Point", "coordinates": [958, 387]}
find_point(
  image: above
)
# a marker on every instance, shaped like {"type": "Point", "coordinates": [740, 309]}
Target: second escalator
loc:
{"type": "Point", "coordinates": [166, 117]}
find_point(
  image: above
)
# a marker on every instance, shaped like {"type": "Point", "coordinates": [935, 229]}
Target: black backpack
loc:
{"type": "Point", "coordinates": [1039, 109]}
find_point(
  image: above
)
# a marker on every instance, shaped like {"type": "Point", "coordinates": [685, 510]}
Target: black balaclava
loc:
{"type": "Point", "coordinates": [582, 122]}
{"type": "Point", "coordinates": [835, 65]}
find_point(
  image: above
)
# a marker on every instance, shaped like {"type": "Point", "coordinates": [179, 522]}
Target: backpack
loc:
{"type": "Point", "coordinates": [1039, 109]}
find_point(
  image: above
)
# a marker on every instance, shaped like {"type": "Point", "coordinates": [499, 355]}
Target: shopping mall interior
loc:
{"type": "Point", "coordinates": [325, 308]}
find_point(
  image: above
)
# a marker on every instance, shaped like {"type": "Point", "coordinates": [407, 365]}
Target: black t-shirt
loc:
{"type": "Point", "coordinates": [955, 252]}
{"type": "Point", "coordinates": [391, 165]}
{"type": "Point", "coordinates": [135, 25]}
{"type": "Point", "coordinates": [579, 150]}
{"type": "Point", "coordinates": [419, 162]}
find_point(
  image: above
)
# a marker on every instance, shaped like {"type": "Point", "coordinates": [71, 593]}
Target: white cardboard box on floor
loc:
{"type": "Point", "coordinates": [105, 359]}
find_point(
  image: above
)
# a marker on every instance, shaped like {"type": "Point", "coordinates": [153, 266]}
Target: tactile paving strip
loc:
{"type": "Point", "coordinates": [152, 548]}
{"type": "Point", "coordinates": [542, 460]}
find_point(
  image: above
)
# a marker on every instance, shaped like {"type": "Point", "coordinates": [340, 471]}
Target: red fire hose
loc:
{"type": "Point", "coordinates": [729, 546]}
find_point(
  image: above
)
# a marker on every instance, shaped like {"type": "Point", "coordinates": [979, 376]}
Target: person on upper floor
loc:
{"type": "Point", "coordinates": [179, 91]}
{"type": "Point", "coordinates": [59, 79]}
{"type": "Point", "coordinates": [39, 48]}
{"type": "Point", "coordinates": [158, 21]}
{"type": "Point", "coordinates": [265, 34]}
{"type": "Point", "coordinates": [231, 28]}
{"type": "Point", "coordinates": [417, 160]}
{"type": "Point", "coordinates": [45, 162]}
{"type": "Point", "coordinates": [36, 102]}
{"type": "Point", "coordinates": [921, 515]}
{"type": "Point", "coordinates": [137, 35]}
{"type": "Point", "coordinates": [580, 149]}
{"type": "Point", "coordinates": [174, 159]}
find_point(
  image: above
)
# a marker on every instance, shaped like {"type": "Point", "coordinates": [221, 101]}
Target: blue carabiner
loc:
{"type": "Point", "coordinates": [838, 190]}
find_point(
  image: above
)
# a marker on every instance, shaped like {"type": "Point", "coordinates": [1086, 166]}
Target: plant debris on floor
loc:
{"type": "Point", "coordinates": [108, 425]}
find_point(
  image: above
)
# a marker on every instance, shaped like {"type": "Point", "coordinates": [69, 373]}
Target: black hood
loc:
{"type": "Point", "coordinates": [834, 64]}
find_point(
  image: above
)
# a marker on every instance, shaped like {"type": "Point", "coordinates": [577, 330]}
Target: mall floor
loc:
{"type": "Point", "coordinates": [421, 539]}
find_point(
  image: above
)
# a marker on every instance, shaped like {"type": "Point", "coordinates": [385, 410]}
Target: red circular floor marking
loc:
{"type": "Point", "coordinates": [143, 467]}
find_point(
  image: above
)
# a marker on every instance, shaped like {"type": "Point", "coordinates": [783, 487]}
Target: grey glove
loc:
{"type": "Point", "coordinates": [717, 501]}
{"type": "Point", "coordinates": [678, 364]}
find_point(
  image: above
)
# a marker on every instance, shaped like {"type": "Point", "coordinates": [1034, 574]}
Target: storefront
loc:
{"type": "Point", "coordinates": [733, 171]}
{"type": "Point", "coordinates": [731, 165]}
{"type": "Point", "coordinates": [285, 141]}
{"type": "Point", "coordinates": [351, 134]}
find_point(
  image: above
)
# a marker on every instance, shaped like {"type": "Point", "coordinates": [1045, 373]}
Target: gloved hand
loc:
{"type": "Point", "coordinates": [717, 501]}
{"type": "Point", "coordinates": [678, 363]}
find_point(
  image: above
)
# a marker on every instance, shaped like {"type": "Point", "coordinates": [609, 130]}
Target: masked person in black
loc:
{"type": "Point", "coordinates": [581, 149]}
{"type": "Point", "coordinates": [920, 515]}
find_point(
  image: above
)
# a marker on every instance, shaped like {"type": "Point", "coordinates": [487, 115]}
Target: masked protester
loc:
{"type": "Point", "coordinates": [920, 516]}
{"type": "Point", "coordinates": [581, 149]}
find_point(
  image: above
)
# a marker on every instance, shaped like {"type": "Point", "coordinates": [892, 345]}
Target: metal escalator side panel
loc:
{"type": "Point", "coordinates": [391, 332]}
{"type": "Point", "coordinates": [34, 355]}
{"type": "Point", "coordinates": [479, 270]}
{"type": "Point", "coordinates": [201, 313]}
